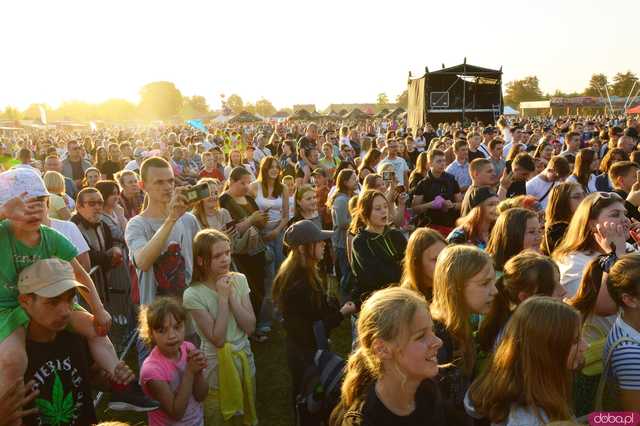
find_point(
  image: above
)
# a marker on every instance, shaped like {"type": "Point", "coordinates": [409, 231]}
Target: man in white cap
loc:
{"type": "Point", "coordinates": [59, 360]}
{"type": "Point", "coordinates": [23, 241]}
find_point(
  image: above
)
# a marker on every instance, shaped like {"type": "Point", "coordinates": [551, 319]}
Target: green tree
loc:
{"type": "Point", "coordinates": [234, 103]}
{"type": "Point", "coordinates": [195, 106]}
{"type": "Point", "coordinates": [160, 100]}
{"type": "Point", "coordinates": [622, 83]}
{"type": "Point", "coordinates": [116, 110]}
{"type": "Point", "coordinates": [75, 111]}
{"type": "Point", "coordinates": [527, 89]}
{"type": "Point", "coordinates": [382, 99]}
{"type": "Point", "coordinates": [403, 99]}
{"type": "Point", "coordinates": [10, 113]}
{"type": "Point", "coordinates": [265, 108]}
{"type": "Point", "coordinates": [597, 83]}
{"type": "Point", "coordinates": [250, 108]}
{"type": "Point", "coordinates": [32, 112]}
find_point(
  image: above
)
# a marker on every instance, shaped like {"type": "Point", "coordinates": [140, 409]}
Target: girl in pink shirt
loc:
{"type": "Point", "coordinates": [172, 373]}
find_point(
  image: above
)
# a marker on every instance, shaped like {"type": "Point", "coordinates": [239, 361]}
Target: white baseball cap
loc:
{"type": "Point", "coordinates": [16, 182]}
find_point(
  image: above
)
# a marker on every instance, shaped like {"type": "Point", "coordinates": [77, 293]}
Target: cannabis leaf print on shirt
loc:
{"type": "Point", "coordinates": [61, 409]}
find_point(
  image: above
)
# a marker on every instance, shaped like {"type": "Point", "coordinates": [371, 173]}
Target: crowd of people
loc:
{"type": "Point", "coordinates": [490, 274]}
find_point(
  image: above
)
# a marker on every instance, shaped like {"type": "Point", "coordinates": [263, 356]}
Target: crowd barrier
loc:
{"type": "Point", "coordinates": [124, 326]}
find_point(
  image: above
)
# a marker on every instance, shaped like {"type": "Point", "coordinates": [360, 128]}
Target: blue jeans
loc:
{"type": "Point", "coordinates": [266, 314]}
{"type": "Point", "coordinates": [345, 273]}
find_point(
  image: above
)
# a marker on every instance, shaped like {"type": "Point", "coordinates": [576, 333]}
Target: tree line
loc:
{"type": "Point", "coordinates": [160, 100]}
{"type": "Point", "coordinates": [528, 88]}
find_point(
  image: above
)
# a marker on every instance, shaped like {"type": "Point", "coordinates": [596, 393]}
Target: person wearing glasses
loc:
{"type": "Point", "coordinates": [102, 250]}
{"type": "Point", "coordinates": [75, 165]}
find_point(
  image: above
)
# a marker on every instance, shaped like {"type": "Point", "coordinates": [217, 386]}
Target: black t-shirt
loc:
{"type": "Point", "coordinates": [76, 169]}
{"type": "Point", "coordinates": [61, 372]}
{"type": "Point", "coordinates": [109, 167]}
{"type": "Point", "coordinates": [429, 409]}
{"type": "Point", "coordinates": [430, 187]}
{"type": "Point", "coordinates": [274, 148]}
{"type": "Point", "coordinates": [632, 211]}
{"type": "Point", "coordinates": [518, 187]}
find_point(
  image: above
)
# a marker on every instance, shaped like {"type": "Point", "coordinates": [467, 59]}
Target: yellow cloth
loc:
{"type": "Point", "coordinates": [236, 394]}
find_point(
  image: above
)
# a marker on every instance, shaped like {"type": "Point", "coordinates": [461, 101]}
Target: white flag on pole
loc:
{"type": "Point", "coordinates": [43, 114]}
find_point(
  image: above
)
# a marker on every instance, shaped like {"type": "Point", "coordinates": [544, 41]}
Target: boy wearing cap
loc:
{"type": "Point", "coordinates": [59, 361]}
{"type": "Point", "coordinates": [23, 241]}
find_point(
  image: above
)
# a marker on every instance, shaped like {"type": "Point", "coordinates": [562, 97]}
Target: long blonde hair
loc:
{"type": "Point", "coordinates": [530, 364]}
{"type": "Point", "coordinates": [412, 274]}
{"type": "Point", "coordinates": [54, 182]}
{"type": "Point", "coordinates": [299, 194]}
{"type": "Point", "coordinates": [385, 315]}
{"type": "Point", "coordinates": [456, 265]}
{"type": "Point", "coordinates": [579, 236]}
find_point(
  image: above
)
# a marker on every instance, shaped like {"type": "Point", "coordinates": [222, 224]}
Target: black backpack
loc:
{"type": "Point", "coordinates": [319, 392]}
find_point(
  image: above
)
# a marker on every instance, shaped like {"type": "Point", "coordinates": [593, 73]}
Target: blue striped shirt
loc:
{"type": "Point", "coordinates": [625, 360]}
{"type": "Point", "coordinates": [460, 172]}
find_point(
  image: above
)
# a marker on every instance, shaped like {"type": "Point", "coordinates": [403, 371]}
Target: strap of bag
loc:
{"type": "Point", "coordinates": [603, 377]}
{"type": "Point", "coordinates": [547, 193]}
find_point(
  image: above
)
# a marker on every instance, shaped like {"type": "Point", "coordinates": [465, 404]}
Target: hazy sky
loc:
{"type": "Point", "coordinates": [300, 51]}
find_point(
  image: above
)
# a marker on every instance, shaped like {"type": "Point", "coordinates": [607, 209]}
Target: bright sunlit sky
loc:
{"type": "Point", "coordinates": [302, 51]}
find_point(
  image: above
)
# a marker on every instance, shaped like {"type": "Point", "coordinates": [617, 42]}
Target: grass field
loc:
{"type": "Point", "coordinates": [273, 381]}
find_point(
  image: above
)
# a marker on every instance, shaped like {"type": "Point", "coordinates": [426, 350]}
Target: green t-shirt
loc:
{"type": "Point", "coordinates": [199, 296]}
{"type": "Point", "coordinates": [16, 255]}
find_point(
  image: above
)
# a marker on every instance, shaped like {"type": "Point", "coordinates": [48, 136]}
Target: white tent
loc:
{"type": "Point", "coordinates": [510, 111]}
{"type": "Point", "coordinates": [222, 118]}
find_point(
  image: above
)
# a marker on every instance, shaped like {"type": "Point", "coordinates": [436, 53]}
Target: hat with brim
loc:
{"type": "Point", "coordinates": [18, 181]}
{"type": "Point", "coordinates": [305, 232]}
{"type": "Point", "coordinates": [48, 278]}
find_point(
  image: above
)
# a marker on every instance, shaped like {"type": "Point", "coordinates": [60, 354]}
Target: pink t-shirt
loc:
{"type": "Point", "coordinates": [159, 367]}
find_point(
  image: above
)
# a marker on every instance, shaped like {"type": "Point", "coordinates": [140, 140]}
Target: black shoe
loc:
{"type": "Point", "coordinates": [132, 399]}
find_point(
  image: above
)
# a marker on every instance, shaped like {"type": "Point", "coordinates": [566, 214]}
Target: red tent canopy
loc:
{"type": "Point", "coordinates": [634, 110]}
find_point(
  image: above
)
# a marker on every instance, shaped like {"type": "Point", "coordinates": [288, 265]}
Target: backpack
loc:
{"type": "Point", "coordinates": [319, 392]}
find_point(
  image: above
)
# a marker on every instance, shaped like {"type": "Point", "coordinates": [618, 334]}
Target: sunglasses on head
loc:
{"type": "Point", "coordinates": [606, 196]}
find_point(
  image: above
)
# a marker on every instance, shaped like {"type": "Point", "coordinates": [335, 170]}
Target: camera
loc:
{"type": "Point", "coordinates": [197, 193]}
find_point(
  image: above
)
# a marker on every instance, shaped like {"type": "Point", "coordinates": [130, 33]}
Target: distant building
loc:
{"type": "Point", "coordinates": [368, 108]}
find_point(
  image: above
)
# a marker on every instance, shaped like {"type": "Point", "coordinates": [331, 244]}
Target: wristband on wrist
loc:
{"type": "Point", "coordinates": [608, 260]}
